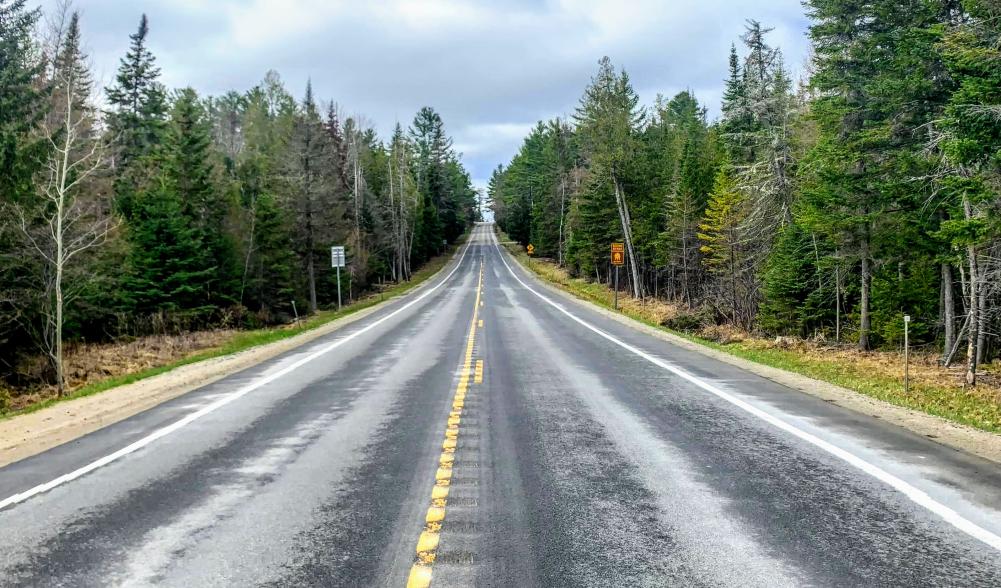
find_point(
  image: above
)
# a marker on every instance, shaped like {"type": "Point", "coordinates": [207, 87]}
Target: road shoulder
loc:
{"type": "Point", "coordinates": [956, 436]}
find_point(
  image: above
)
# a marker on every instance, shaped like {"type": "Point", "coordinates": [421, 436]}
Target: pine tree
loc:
{"type": "Point", "coordinates": [22, 103]}
{"type": "Point", "coordinates": [268, 258]}
{"type": "Point", "coordinates": [433, 148]}
{"type": "Point", "coordinates": [309, 173]}
{"type": "Point", "coordinates": [193, 174]}
{"type": "Point", "coordinates": [608, 120]}
{"type": "Point", "coordinates": [846, 196]}
{"type": "Point", "coordinates": [693, 166]}
{"type": "Point", "coordinates": [138, 100]}
{"type": "Point", "coordinates": [22, 152]}
{"type": "Point", "coordinates": [971, 142]}
{"type": "Point", "coordinates": [169, 271]}
{"type": "Point", "coordinates": [737, 121]}
{"type": "Point", "coordinates": [722, 249]}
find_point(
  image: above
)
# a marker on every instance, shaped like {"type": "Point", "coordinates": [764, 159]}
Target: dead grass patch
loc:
{"type": "Point", "coordinates": [93, 362]}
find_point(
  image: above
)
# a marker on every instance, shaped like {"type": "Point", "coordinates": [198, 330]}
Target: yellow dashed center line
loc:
{"type": "Point", "coordinates": [427, 543]}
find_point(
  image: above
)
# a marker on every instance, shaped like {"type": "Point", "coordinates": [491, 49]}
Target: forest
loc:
{"type": "Point", "coordinates": [135, 209]}
{"type": "Point", "coordinates": [824, 207]}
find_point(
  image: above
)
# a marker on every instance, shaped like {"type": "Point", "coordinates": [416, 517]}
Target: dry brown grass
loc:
{"type": "Point", "coordinates": [924, 365]}
{"type": "Point", "coordinates": [91, 362]}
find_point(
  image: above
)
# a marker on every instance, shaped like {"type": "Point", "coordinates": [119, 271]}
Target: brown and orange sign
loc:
{"type": "Point", "coordinates": [618, 254]}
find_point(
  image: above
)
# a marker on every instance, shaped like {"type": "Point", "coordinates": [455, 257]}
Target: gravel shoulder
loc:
{"type": "Point", "coordinates": [967, 439]}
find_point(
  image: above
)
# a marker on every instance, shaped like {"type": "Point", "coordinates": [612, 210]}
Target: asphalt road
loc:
{"type": "Point", "coordinates": [578, 453]}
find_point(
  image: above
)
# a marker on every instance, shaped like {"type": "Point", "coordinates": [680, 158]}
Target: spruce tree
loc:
{"type": "Point", "coordinates": [722, 247]}
{"type": "Point", "coordinates": [971, 142]}
{"type": "Point", "coordinates": [609, 118]}
{"type": "Point", "coordinates": [432, 147]}
{"type": "Point", "coordinates": [137, 119]}
{"type": "Point", "coordinates": [22, 102]}
{"type": "Point", "coordinates": [138, 101]}
{"type": "Point", "coordinates": [190, 157]}
{"type": "Point", "coordinates": [169, 270]}
{"type": "Point", "coordinates": [309, 172]}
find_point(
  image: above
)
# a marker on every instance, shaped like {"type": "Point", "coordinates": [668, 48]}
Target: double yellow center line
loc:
{"type": "Point", "coordinates": [427, 543]}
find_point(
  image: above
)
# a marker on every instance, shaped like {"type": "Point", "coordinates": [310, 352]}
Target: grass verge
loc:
{"type": "Point", "coordinates": [867, 373]}
{"type": "Point", "coordinates": [244, 340]}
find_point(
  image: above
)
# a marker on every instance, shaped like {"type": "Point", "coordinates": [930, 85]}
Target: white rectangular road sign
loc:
{"type": "Point", "coordinates": [337, 256]}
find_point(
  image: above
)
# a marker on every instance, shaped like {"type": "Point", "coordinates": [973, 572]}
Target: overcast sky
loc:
{"type": "Point", "coordinates": [492, 69]}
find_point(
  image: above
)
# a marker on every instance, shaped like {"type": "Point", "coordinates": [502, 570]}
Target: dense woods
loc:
{"type": "Point", "coordinates": [826, 208]}
{"type": "Point", "coordinates": [135, 209]}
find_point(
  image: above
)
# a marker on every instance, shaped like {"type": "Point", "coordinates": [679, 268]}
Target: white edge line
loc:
{"type": "Point", "coordinates": [162, 432]}
{"type": "Point", "coordinates": [917, 495]}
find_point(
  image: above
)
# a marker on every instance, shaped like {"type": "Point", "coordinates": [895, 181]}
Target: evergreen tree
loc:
{"type": "Point", "coordinates": [737, 124]}
{"type": "Point", "coordinates": [846, 197]}
{"type": "Point", "coordinates": [309, 173]}
{"type": "Point", "coordinates": [971, 143]}
{"type": "Point", "coordinates": [138, 100]}
{"type": "Point", "coordinates": [609, 120]}
{"type": "Point", "coordinates": [193, 174]}
{"type": "Point", "coordinates": [268, 257]}
{"type": "Point", "coordinates": [721, 245]}
{"type": "Point", "coordinates": [137, 122]}
{"type": "Point", "coordinates": [169, 270]}
{"type": "Point", "coordinates": [433, 148]}
{"type": "Point", "coordinates": [22, 103]}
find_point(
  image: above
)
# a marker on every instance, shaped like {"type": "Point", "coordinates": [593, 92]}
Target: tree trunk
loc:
{"type": "Point", "coordinates": [60, 260]}
{"type": "Point", "coordinates": [973, 334]}
{"type": "Point", "coordinates": [948, 310]}
{"type": "Point", "coordinates": [865, 319]}
{"type": "Point", "coordinates": [250, 245]}
{"type": "Point", "coordinates": [837, 299]}
{"type": "Point", "coordinates": [310, 269]}
{"type": "Point", "coordinates": [563, 200]}
{"type": "Point", "coordinates": [733, 283]}
{"type": "Point", "coordinates": [955, 346]}
{"type": "Point", "coordinates": [627, 231]}
{"type": "Point", "coordinates": [982, 316]}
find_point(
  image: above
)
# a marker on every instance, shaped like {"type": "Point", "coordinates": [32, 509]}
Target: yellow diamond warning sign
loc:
{"type": "Point", "coordinates": [530, 249]}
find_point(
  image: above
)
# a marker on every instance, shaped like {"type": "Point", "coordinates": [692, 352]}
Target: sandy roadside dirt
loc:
{"type": "Point", "coordinates": [968, 439]}
{"type": "Point", "coordinates": [26, 435]}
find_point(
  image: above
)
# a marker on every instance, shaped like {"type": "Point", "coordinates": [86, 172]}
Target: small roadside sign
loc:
{"type": "Point", "coordinates": [618, 254]}
{"type": "Point", "coordinates": [337, 256]}
{"type": "Point", "coordinates": [337, 260]}
{"type": "Point", "coordinates": [530, 249]}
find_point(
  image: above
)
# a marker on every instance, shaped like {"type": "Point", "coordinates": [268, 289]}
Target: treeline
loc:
{"type": "Point", "coordinates": [150, 211]}
{"type": "Point", "coordinates": [826, 208]}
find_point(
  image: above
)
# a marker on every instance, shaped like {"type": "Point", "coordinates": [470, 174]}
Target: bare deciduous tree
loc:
{"type": "Point", "coordinates": [66, 220]}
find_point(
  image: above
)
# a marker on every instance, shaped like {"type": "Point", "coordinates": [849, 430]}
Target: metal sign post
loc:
{"type": "Point", "coordinates": [618, 259]}
{"type": "Point", "coordinates": [615, 303]}
{"type": "Point", "coordinates": [337, 259]}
